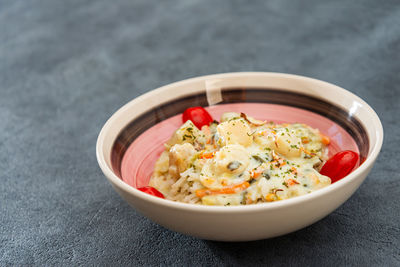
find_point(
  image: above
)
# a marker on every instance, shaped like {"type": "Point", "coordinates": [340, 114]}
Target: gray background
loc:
{"type": "Point", "coordinates": [66, 66]}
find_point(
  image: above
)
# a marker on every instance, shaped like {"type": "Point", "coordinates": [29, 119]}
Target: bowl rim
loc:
{"type": "Point", "coordinates": [116, 181]}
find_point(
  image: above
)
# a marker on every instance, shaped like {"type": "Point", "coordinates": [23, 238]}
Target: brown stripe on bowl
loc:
{"type": "Point", "coordinates": [238, 95]}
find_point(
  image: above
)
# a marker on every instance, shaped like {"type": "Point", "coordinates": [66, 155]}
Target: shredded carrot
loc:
{"type": "Point", "coordinates": [209, 155]}
{"type": "Point", "coordinates": [255, 173]}
{"type": "Point", "coordinates": [325, 139]}
{"type": "Point", "coordinates": [306, 151]}
{"type": "Point", "coordinates": [276, 144]}
{"type": "Point", "coordinates": [292, 182]}
{"type": "Point", "coordinates": [275, 156]}
{"type": "Point", "coordinates": [273, 196]}
{"type": "Point", "coordinates": [270, 197]}
{"type": "Point", "coordinates": [233, 189]}
{"type": "Point", "coordinates": [305, 140]}
{"type": "Point", "coordinates": [294, 170]}
{"type": "Point", "coordinates": [249, 201]}
{"type": "Point", "coordinates": [262, 132]}
{"type": "Point", "coordinates": [274, 191]}
{"type": "Point", "coordinates": [278, 161]}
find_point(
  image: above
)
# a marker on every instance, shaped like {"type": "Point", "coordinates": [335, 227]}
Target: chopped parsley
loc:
{"type": "Point", "coordinates": [266, 175]}
{"type": "Point", "coordinates": [258, 158]}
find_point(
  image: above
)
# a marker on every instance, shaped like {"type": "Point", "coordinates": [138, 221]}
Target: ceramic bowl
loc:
{"type": "Point", "coordinates": [132, 139]}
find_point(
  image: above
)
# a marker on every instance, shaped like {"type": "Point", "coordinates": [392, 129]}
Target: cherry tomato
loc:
{"type": "Point", "coordinates": [198, 115]}
{"type": "Point", "coordinates": [340, 165]}
{"type": "Point", "coordinates": [151, 191]}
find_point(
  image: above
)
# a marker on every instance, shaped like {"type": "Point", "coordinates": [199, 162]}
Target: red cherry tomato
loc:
{"type": "Point", "coordinates": [151, 191]}
{"type": "Point", "coordinates": [198, 115]}
{"type": "Point", "coordinates": [340, 165]}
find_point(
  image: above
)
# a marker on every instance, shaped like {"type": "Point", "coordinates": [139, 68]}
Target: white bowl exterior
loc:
{"type": "Point", "coordinates": [231, 225]}
{"type": "Point", "coordinates": [245, 222]}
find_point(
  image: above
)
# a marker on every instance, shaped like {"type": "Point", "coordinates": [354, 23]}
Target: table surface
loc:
{"type": "Point", "coordinates": [66, 66]}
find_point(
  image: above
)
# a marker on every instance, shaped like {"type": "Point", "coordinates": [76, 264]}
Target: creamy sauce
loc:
{"type": "Point", "coordinates": [241, 161]}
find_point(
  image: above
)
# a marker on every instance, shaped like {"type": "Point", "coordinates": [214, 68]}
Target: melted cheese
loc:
{"type": "Point", "coordinates": [240, 161]}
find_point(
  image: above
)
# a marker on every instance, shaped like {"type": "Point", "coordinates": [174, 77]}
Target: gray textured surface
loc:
{"type": "Point", "coordinates": [66, 66]}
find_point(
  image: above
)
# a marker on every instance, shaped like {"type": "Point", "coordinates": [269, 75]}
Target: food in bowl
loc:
{"type": "Point", "coordinates": [132, 140]}
{"type": "Point", "coordinates": [240, 160]}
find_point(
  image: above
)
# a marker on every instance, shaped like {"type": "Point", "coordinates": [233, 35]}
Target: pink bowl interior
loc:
{"type": "Point", "coordinates": [139, 159]}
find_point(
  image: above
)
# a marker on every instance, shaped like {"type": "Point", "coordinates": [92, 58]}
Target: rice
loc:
{"type": "Point", "coordinates": [237, 162]}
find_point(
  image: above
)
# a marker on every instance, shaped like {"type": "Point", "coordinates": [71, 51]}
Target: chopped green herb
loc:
{"type": "Point", "coordinates": [266, 175]}
{"type": "Point", "coordinates": [252, 180]}
{"type": "Point", "coordinates": [234, 165]}
{"type": "Point", "coordinates": [258, 158]}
